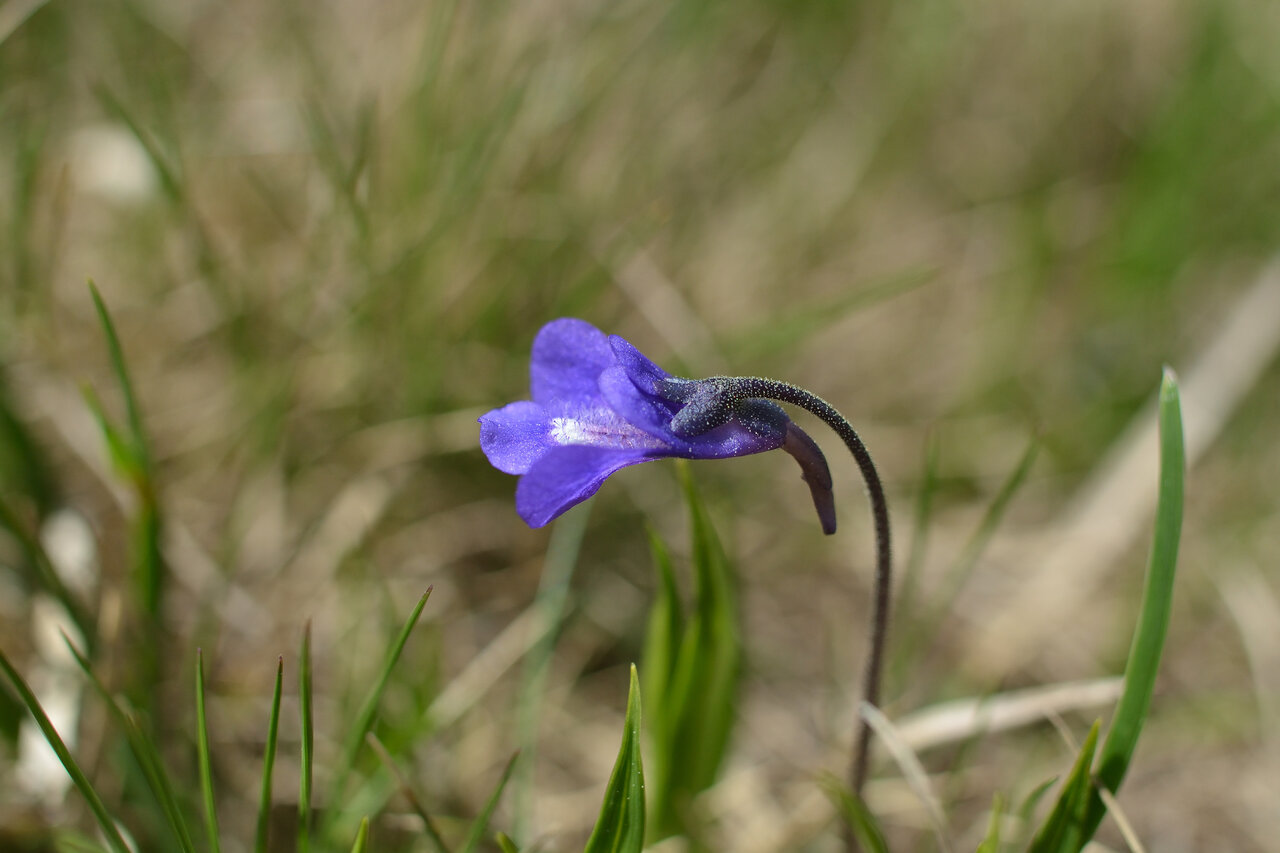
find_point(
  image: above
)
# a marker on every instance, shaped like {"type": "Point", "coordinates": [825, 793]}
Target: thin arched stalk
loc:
{"type": "Point", "coordinates": [748, 387]}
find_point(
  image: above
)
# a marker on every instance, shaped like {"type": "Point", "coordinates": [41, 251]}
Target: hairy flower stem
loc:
{"type": "Point", "coordinates": [747, 387]}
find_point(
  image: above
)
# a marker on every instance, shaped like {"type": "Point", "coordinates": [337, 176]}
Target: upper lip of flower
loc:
{"type": "Point", "coordinates": [599, 405]}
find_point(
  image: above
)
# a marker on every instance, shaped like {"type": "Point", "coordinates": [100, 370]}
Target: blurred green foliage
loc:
{"type": "Point", "coordinates": [692, 668]}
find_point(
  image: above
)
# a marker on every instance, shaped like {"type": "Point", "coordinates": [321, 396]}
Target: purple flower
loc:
{"type": "Point", "coordinates": [599, 405]}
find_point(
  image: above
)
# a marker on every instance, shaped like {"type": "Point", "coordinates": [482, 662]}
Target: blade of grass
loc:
{"type": "Point", "coordinates": [12, 713]}
{"type": "Point", "coordinates": [362, 837]}
{"type": "Point", "coordinates": [912, 770]}
{"type": "Point", "coordinates": [662, 638]}
{"type": "Point", "coordinates": [343, 176]}
{"type": "Point", "coordinates": [661, 648]}
{"type": "Point", "coordinates": [144, 751]}
{"type": "Point", "coordinates": [991, 841]}
{"type": "Point", "coordinates": [24, 466]}
{"type": "Point", "coordinates": [506, 845]}
{"type": "Point", "coordinates": [921, 521]}
{"type": "Point", "coordinates": [1026, 811]}
{"type": "Point", "coordinates": [704, 684]}
{"type": "Point", "coordinates": [148, 562]}
{"type": "Point", "coordinates": [551, 603]}
{"type": "Point", "coordinates": [165, 170]}
{"type": "Point", "coordinates": [70, 841]}
{"type": "Point", "coordinates": [408, 791]}
{"type": "Point", "coordinates": [991, 519]}
{"type": "Point", "coordinates": [620, 827]}
{"type": "Point", "coordinates": [108, 826]}
{"type": "Point", "coordinates": [269, 761]}
{"type": "Point", "coordinates": [308, 741]}
{"type": "Point", "coordinates": [1062, 830]}
{"type": "Point", "coordinates": [1153, 619]}
{"type": "Point", "coordinates": [119, 448]}
{"type": "Point", "coordinates": [369, 708]}
{"type": "Point", "coordinates": [202, 754]}
{"type": "Point", "coordinates": [139, 444]}
{"type": "Point", "coordinates": [927, 627]}
{"type": "Point", "coordinates": [858, 817]}
{"type": "Point", "coordinates": [170, 170]}
{"type": "Point", "coordinates": [481, 824]}
{"type": "Point", "coordinates": [36, 555]}
{"type": "Point", "coordinates": [1121, 821]}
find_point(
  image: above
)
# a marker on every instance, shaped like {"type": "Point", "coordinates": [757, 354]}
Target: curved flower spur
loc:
{"type": "Point", "coordinates": [600, 405]}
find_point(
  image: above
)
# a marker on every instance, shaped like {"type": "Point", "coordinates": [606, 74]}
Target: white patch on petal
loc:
{"type": "Point", "coordinates": [602, 429]}
{"type": "Point", "coordinates": [569, 431]}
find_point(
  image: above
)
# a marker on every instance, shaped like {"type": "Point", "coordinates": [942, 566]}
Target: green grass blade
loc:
{"type": "Point", "coordinates": [408, 792]}
{"type": "Point", "coordinates": [343, 175]}
{"type": "Point", "coordinates": [144, 751]}
{"type": "Point", "coordinates": [12, 713]}
{"type": "Point", "coordinates": [202, 753]}
{"type": "Point", "coordinates": [108, 826]}
{"type": "Point", "coordinates": [362, 837]}
{"type": "Point", "coordinates": [119, 448]}
{"type": "Point", "coordinates": [662, 637]}
{"type": "Point", "coordinates": [1062, 831]}
{"type": "Point", "coordinates": [709, 660]}
{"type": "Point", "coordinates": [481, 824]}
{"type": "Point", "coordinates": [1026, 811]}
{"type": "Point", "coordinates": [506, 845]}
{"type": "Point", "coordinates": [861, 822]}
{"type": "Point", "coordinates": [920, 525]}
{"type": "Point", "coordinates": [661, 649]}
{"type": "Point", "coordinates": [70, 841]}
{"type": "Point", "coordinates": [1157, 603]}
{"type": "Point", "coordinates": [552, 603]}
{"type": "Point", "coordinates": [137, 437]}
{"type": "Point", "coordinates": [167, 172]}
{"type": "Point", "coordinates": [36, 555]}
{"type": "Point", "coordinates": [25, 468]}
{"type": "Point", "coordinates": [269, 761]}
{"type": "Point", "coordinates": [369, 708]}
{"type": "Point", "coordinates": [981, 538]}
{"type": "Point", "coordinates": [720, 651]}
{"type": "Point", "coordinates": [308, 742]}
{"type": "Point", "coordinates": [927, 625]}
{"type": "Point", "coordinates": [134, 456]}
{"type": "Point", "coordinates": [620, 827]}
{"type": "Point", "coordinates": [991, 841]}
{"type": "Point", "coordinates": [698, 702]}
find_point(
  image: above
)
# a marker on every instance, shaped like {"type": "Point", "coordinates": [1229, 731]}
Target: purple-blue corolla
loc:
{"type": "Point", "coordinates": [600, 405]}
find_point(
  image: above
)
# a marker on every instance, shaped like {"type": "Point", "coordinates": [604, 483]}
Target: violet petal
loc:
{"type": "Point", "coordinates": [568, 357]}
{"type": "Point", "coordinates": [565, 476]}
{"type": "Point", "coordinates": [649, 413]}
{"type": "Point", "coordinates": [515, 436]}
{"type": "Point", "coordinates": [643, 372]}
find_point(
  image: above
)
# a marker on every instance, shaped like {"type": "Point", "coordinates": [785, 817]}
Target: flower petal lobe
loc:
{"type": "Point", "coordinates": [568, 357]}
{"type": "Point", "coordinates": [566, 476]}
{"type": "Point", "coordinates": [515, 436]}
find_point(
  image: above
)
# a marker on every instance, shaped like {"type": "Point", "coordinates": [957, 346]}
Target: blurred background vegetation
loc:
{"type": "Point", "coordinates": [328, 232]}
